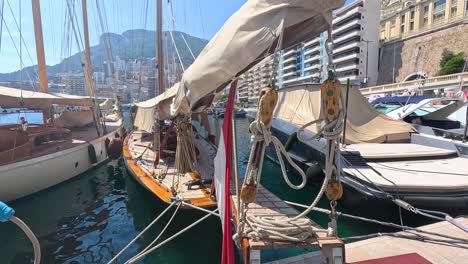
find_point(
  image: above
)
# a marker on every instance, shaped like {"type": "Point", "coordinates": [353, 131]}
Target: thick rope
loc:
{"type": "Point", "coordinates": [159, 236]}
{"type": "Point", "coordinates": [141, 233]}
{"type": "Point", "coordinates": [298, 228]}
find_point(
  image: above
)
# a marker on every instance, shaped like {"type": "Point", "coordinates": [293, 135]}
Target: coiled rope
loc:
{"type": "Point", "coordinates": [297, 228]}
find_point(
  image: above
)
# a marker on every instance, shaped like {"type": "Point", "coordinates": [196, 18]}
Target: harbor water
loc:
{"type": "Point", "coordinates": [90, 218]}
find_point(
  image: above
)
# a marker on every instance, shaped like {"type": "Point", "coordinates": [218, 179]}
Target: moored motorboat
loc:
{"type": "Point", "coordinates": [380, 161]}
{"type": "Point", "coordinates": [430, 116]}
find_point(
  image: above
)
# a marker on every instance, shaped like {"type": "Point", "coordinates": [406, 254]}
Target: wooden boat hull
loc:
{"type": "Point", "coordinates": [29, 176]}
{"type": "Point", "coordinates": [156, 187]}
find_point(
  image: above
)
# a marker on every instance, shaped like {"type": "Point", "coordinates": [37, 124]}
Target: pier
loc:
{"type": "Point", "coordinates": [386, 247]}
{"type": "Point", "coordinates": [268, 204]}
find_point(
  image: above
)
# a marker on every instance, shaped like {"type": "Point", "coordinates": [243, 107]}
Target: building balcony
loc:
{"type": "Point", "coordinates": [291, 66]}
{"type": "Point", "coordinates": [346, 58]}
{"type": "Point", "coordinates": [347, 67]}
{"type": "Point", "coordinates": [312, 42]}
{"type": "Point", "coordinates": [310, 51]}
{"type": "Point", "coordinates": [346, 47]}
{"type": "Point", "coordinates": [347, 26]}
{"type": "Point", "coordinates": [289, 52]}
{"type": "Point", "coordinates": [353, 34]}
{"type": "Point", "coordinates": [352, 77]}
{"type": "Point", "coordinates": [348, 14]}
{"type": "Point", "coordinates": [289, 60]}
{"type": "Point", "coordinates": [289, 74]}
{"type": "Point", "coordinates": [312, 67]}
{"type": "Point", "coordinates": [313, 58]}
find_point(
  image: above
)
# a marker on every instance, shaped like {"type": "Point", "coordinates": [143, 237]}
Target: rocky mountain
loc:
{"type": "Point", "coordinates": [131, 45]}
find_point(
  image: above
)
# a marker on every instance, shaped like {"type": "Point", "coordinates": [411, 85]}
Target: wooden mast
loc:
{"type": "Point", "coordinates": [89, 78]}
{"type": "Point", "coordinates": [88, 68]}
{"type": "Point", "coordinates": [159, 44]}
{"type": "Point", "coordinates": [159, 89]}
{"type": "Point", "coordinates": [41, 65]}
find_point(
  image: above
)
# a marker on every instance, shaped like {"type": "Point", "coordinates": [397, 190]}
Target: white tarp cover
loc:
{"type": "Point", "coordinates": [145, 115]}
{"type": "Point", "coordinates": [300, 105]}
{"type": "Point", "coordinates": [16, 98]}
{"type": "Point", "coordinates": [244, 38]}
{"type": "Point", "coordinates": [106, 105]}
{"type": "Point", "coordinates": [69, 119]}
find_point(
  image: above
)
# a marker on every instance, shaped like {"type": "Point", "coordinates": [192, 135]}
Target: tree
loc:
{"type": "Point", "coordinates": [453, 65]}
{"type": "Point", "coordinates": [446, 56]}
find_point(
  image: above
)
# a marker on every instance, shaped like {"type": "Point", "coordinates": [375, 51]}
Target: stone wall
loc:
{"type": "Point", "coordinates": [422, 53]}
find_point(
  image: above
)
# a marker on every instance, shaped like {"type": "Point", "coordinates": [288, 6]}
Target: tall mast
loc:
{"type": "Point", "coordinates": [41, 66]}
{"type": "Point", "coordinates": [160, 47]}
{"type": "Point", "coordinates": [89, 78]}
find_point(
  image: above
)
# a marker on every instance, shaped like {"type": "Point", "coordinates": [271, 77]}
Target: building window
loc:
{"type": "Point", "coordinates": [439, 11]}
{"type": "Point", "coordinates": [411, 26]}
{"type": "Point", "coordinates": [453, 9]}
{"type": "Point", "coordinates": [402, 27]}
{"type": "Point", "coordinates": [412, 14]}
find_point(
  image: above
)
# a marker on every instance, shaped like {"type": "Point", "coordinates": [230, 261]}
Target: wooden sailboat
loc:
{"type": "Point", "coordinates": [165, 154]}
{"type": "Point", "coordinates": [34, 157]}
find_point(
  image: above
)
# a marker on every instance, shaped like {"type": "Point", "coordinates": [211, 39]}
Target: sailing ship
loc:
{"type": "Point", "coordinates": [34, 157]}
{"type": "Point", "coordinates": [164, 152]}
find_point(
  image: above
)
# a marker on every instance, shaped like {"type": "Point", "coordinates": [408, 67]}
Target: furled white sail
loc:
{"type": "Point", "coordinates": [243, 40]}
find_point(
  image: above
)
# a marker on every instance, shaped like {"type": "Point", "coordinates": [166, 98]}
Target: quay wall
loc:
{"type": "Point", "coordinates": [421, 53]}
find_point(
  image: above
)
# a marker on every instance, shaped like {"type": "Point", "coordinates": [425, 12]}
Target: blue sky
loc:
{"type": "Point", "coordinates": [201, 18]}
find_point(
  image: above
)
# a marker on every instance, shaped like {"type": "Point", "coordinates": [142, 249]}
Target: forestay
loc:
{"type": "Point", "coordinates": [247, 35]}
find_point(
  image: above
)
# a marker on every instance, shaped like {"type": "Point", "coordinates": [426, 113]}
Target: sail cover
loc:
{"type": "Point", "coordinates": [243, 40]}
{"type": "Point", "coordinates": [16, 98]}
{"type": "Point", "coordinates": [145, 116]}
{"type": "Point", "coordinates": [301, 104]}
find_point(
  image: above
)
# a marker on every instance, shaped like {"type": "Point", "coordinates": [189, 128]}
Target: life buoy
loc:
{"type": "Point", "coordinates": [92, 154]}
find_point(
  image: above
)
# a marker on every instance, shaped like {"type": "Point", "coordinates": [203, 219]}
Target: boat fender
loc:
{"type": "Point", "coordinates": [115, 148]}
{"type": "Point", "coordinates": [5, 212]}
{"type": "Point", "coordinates": [92, 154]}
{"type": "Point", "coordinates": [290, 142]}
{"type": "Point", "coordinates": [314, 171]}
{"type": "Point", "coordinates": [106, 143]}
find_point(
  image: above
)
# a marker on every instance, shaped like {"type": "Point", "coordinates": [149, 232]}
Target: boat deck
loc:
{"type": "Point", "coordinates": [163, 180]}
{"type": "Point", "coordinates": [385, 246]}
{"type": "Point", "coordinates": [268, 204]}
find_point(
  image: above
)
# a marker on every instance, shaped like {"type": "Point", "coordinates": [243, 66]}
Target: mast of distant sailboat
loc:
{"type": "Point", "coordinates": [41, 65]}
{"type": "Point", "coordinates": [160, 67]}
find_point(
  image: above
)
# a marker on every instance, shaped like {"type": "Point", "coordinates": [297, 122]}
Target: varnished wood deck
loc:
{"type": "Point", "coordinates": [163, 179]}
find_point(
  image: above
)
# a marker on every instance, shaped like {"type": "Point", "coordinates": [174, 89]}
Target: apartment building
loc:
{"type": "Point", "coordinates": [355, 51]}
{"type": "Point", "coordinates": [401, 19]}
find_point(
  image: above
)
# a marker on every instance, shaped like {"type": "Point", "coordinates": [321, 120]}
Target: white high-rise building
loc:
{"type": "Point", "coordinates": [355, 51]}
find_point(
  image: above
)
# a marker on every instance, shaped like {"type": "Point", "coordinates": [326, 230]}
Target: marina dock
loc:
{"type": "Point", "coordinates": [268, 204]}
{"type": "Point", "coordinates": [385, 246]}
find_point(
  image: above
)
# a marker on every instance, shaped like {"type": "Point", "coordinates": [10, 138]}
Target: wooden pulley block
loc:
{"type": "Point", "coordinates": [334, 190]}
{"type": "Point", "coordinates": [331, 94]}
{"type": "Point", "coordinates": [267, 103]}
{"type": "Point", "coordinates": [248, 193]}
